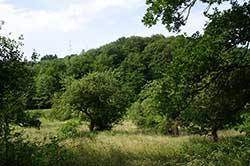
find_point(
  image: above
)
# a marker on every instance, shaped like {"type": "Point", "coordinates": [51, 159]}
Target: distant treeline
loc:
{"type": "Point", "coordinates": [138, 61]}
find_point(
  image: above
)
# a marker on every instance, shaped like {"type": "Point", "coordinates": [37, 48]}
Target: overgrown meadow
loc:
{"type": "Point", "coordinates": [70, 142]}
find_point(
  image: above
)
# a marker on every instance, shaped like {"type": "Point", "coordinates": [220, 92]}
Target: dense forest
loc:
{"type": "Point", "coordinates": [173, 86]}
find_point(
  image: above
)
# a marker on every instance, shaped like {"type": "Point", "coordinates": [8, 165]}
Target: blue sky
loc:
{"type": "Point", "coordinates": [48, 26]}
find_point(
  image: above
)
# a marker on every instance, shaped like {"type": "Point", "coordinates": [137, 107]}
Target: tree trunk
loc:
{"type": "Point", "coordinates": [91, 126]}
{"type": "Point", "coordinates": [176, 129]}
{"type": "Point", "coordinates": [214, 135]}
{"type": "Point", "coordinates": [6, 138]}
{"type": "Point", "coordinates": [172, 129]}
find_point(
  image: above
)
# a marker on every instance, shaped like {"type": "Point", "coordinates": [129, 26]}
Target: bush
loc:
{"type": "Point", "coordinates": [68, 130]}
{"type": "Point", "coordinates": [60, 110]}
{"type": "Point", "coordinates": [153, 111]}
{"type": "Point", "coordinates": [245, 125]}
{"type": "Point", "coordinates": [230, 151]}
{"type": "Point", "coordinates": [23, 153]}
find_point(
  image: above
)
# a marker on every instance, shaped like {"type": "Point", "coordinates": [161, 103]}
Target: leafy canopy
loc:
{"type": "Point", "coordinates": [214, 67]}
{"type": "Point", "coordinates": [174, 13]}
{"type": "Point", "coordinates": [99, 96]}
{"type": "Point", "coordinates": [15, 81]}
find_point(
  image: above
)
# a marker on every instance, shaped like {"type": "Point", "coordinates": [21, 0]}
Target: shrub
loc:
{"type": "Point", "coordinates": [68, 130]}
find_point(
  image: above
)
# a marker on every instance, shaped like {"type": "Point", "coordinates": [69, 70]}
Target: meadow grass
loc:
{"type": "Point", "coordinates": [128, 145]}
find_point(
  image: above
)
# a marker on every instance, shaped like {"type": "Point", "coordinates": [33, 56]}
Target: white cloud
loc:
{"type": "Point", "coordinates": [48, 30]}
{"type": "Point", "coordinates": [75, 16]}
{"type": "Point", "coordinates": [84, 22]}
{"type": "Point", "coordinates": [29, 21]}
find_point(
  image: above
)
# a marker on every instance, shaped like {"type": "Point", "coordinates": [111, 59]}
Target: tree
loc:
{"type": "Point", "coordinates": [99, 96]}
{"type": "Point", "coordinates": [35, 56]}
{"type": "Point", "coordinates": [174, 13]}
{"type": "Point", "coordinates": [49, 57]}
{"type": "Point", "coordinates": [48, 80]}
{"type": "Point", "coordinates": [14, 84]}
{"type": "Point", "coordinates": [78, 66]}
{"type": "Point", "coordinates": [160, 102]}
{"type": "Point", "coordinates": [215, 66]}
{"type": "Point", "coordinates": [146, 112]}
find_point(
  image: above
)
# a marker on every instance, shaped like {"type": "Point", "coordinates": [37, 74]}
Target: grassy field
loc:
{"type": "Point", "coordinates": [128, 145]}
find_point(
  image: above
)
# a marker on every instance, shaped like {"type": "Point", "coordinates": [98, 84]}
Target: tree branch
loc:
{"type": "Point", "coordinates": [188, 9]}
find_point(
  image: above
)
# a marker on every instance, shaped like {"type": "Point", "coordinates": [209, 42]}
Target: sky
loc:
{"type": "Point", "coordinates": [65, 27]}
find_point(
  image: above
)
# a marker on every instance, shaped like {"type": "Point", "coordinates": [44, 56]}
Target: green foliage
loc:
{"type": "Point", "coordinates": [158, 106]}
{"type": "Point", "coordinates": [146, 112]}
{"type": "Point", "coordinates": [78, 66]}
{"type": "Point", "coordinates": [99, 96]}
{"type": "Point", "coordinates": [60, 110]}
{"type": "Point", "coordinates": [211, 72]}
{"type": "Point", "coordinates": [137, 59]}
{"type": "Point", "coordinates": [160, 103]}
{"type": "Point", "coordinates": [216, 78]}
{"type": "Point", "coordinates": [174, 13]}
{"type": "Point", "coordinates": [15, 81]}
{"type": "Point", "coordinates": [244, 125]}
{"type": "Point", "coordinates": [48, 81]}
{"type": "Point", "coordinates": [34, 56]}
{"type": "Point", "coordinates": [49, 57]}
{"type": "Point", "coordinates": [69, 129]}
{"type": "Point", "coordinates": [139, 68]}
{"type": "Point", "coordinates": [23, 153]}
{"type": "Point", "coordinates": [230, 151]}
